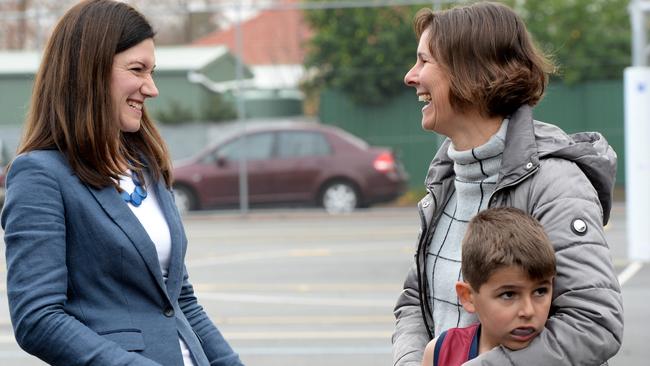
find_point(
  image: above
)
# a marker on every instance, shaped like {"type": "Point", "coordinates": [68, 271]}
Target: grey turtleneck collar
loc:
{"type": "Point", "coordinates": [480, 162]}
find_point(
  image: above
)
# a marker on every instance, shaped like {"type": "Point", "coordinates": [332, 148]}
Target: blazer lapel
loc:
{"type": "Point", "coordinates": [114, 206]}
{"type": "Point", "coordinates": [175, 271]}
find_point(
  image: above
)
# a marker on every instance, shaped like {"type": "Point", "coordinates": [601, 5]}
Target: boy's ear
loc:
{"type": "Point", "coordinates": [464, 292]}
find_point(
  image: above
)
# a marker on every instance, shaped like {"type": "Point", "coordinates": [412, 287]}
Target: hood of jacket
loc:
{"type": "Point", "coordinates": [528, 141]}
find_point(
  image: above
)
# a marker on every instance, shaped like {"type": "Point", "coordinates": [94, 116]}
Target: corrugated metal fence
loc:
{"type": "Point", "coordinates": [590, 106]}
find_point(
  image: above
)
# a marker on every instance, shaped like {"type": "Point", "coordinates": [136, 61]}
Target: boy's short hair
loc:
{"type": "Point", "coordinates": [505, 236]}
{"type": "Point", "coordinates": [489, 56]}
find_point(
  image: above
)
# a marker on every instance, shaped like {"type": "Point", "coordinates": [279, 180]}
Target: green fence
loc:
{"type": "Point", "coordinates": [591, 106]}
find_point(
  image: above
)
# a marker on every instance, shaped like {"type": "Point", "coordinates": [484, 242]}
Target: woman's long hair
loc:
{"type": "Point", "coordinates": [71, 108]}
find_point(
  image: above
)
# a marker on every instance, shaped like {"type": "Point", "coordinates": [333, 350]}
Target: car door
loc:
{"type": "Point", "coordinates": [301, 156]}
{"type": "Point", "coordinates": [222, 184]}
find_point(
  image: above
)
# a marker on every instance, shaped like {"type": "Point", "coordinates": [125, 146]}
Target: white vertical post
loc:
{"type": "Point", "coordinates": [637, 161]}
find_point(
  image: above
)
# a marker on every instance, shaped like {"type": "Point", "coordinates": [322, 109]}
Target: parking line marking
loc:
{"type": "Point", "coordinates": [7, 338]}
{"type": "Point", "coordinates": [275, 335]}
{"type": "Point", "coordinates": [262, 351]}
{"type": "Point", "coordinates": [629, 272]}
{"type": "Point", "coordinates": [299, 287]}
{"type": "Point", "coordinates": [290, 253]}
{"type": "Point", "coordinates": [306, 320]}
{"type": "Point", "coordinates": [294, 300]}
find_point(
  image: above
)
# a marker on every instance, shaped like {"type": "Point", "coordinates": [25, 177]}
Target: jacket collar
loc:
{"type": "Point", "coordinates": [520, 149]}
{"type": "Point", "coordinates": [110, 200]}
{"type": "Point", "coordinates": [528, 141]}
{"type": "Point", "coordinates": [520, 155]}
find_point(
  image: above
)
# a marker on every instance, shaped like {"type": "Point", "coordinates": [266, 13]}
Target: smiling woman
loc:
{"type": "Point", "coordinates": [480, 75]}
{"type": "Point", "coordinates": [94, 244]}
{"type": "Point", "coordinates": [132, 83]}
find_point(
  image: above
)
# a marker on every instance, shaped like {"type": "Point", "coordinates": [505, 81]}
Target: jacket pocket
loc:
{"type": "Point", "coordinates": [129, 339]}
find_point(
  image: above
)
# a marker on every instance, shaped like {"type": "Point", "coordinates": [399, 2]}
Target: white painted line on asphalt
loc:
{"type": "Point", "coordinates": [7, 338]}
{"type": "Point", "coordinates": [293, 300]}
{"type": "Point", "coordinates": [275, 335]}
{"type": "Point", "coordinates": [306, 320]}
{"type": "Point", "coordinates": [237, 235]}
{"type": "Point", "coordinates": [305, 287]}
{"type": "Point", "coordinates": [290, 253]}
{"type": "Point", "coordinates": [629, 272]}
{"type": "Point", "coordinates": [621, 262]}
{"type": "Point", "coordinates": [263, 255]}
{"type": "Point", "coordinates": [235, 258]}
{"type": "Point", "coordinates": [312, 350]}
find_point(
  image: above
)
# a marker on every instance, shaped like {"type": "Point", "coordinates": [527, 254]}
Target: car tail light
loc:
{"type": "Point", "coordinates": [384, 162]}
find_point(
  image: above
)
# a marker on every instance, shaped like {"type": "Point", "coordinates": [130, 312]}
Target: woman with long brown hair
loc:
{"type": "Point", "coordinates": [95, 246]}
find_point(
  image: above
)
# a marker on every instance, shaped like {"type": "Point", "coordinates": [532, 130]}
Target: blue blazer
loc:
{"type": "Point", "coordinates": [83, 278]}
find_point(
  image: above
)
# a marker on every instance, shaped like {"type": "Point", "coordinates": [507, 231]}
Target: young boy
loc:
{"type": "Point", "coordinates": [508, 267]}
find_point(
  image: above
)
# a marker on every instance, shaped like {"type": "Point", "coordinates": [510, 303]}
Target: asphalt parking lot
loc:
{"type": "Point", "coordinates": [300, 287]}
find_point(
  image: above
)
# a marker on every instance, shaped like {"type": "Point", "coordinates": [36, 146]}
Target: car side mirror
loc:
{"type": "Point", "coordinates": [221, 161]}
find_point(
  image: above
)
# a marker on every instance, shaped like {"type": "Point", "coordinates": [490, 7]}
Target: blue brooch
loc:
{"type": "Point", "coordinates": [138, 195]}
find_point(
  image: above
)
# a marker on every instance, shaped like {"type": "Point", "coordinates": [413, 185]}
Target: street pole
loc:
{"type": "Point", "coordinates": [241, 113]}
{"type": "Point", "coordinates": [638, 10]}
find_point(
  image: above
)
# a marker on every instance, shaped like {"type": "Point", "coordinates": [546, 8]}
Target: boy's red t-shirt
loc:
{"type": "Point", "coordinates": [455, 346]}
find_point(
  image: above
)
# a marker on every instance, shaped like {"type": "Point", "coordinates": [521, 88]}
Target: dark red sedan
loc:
{"type": "Point", "coordinates": [289, 162]}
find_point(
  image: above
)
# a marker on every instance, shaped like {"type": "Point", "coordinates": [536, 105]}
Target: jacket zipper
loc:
{"type": "Point", "coordinates": [424, 301]}
{"type": "Point", "coordinates": [513, 183]}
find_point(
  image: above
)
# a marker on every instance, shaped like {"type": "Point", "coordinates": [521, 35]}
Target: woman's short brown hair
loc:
{"type": "Point", "coordinates": [505, 236]}
{"type": "Point", "coordinates": [492, 63]}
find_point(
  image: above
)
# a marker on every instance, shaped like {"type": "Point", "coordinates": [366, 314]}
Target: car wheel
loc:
{"type": "Point", "coordinates": [184, 199]}
{"type": "Point", "coordinates": [339, 197]}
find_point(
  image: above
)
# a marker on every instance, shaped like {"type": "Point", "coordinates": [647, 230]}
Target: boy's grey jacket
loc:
{"type": "Point", "coordinates": [558, 179]}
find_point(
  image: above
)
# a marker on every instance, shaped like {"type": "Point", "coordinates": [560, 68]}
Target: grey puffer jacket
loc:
{"type": "Point", "coordinates": [563, 181]}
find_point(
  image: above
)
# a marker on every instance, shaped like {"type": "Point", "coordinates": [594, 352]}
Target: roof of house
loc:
{"type": "Point", "coordinates": [19, 62]}
{"type": "Point", "coordinates": [271, 37]}
{"type": "Point", "coordinates": [167, 59]}
{"type": "Point", "coordinates": [187, 58]}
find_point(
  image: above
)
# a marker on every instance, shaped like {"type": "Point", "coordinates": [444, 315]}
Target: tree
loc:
{"type": "Point", "coordinates": [23, 22]}
{"type": "Point", "coordinates": [588, 39]}
{"type": "Point", "coordinates": [217, 108]}
{"type": "Point", "coordinates": [180, 21]}
{"type": "Point", "coordinates": [214, 108]}
{"type": "Point", "coordinates": [365, 52]}
{"type": "Point", "coordinates": [26, 24]}
{"type": "Point", "coordinates": [175, 113]}
{"type": "Point", "coordinates": [362, 51]}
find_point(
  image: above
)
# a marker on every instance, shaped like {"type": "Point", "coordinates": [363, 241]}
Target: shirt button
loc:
{"type": "Point", "coordinates": [169, 312]}
{"type": "Point", "coordinates": [529, 165]}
